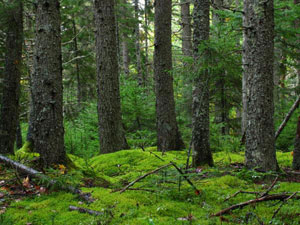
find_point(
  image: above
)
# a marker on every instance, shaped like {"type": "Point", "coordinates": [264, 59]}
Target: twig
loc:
{"type": "Point", "coordinates": [84, 210]}
{"type": "Point", "coordinates": [239, 192]}
{"type": "Point", "coordinates": [143, 176]}
{"type": "Point", "coordinates": [284, 201]}
{"type": "Point", "coordinates": [243, 204]}
{"type": "Point", "coordinates": [270, 188]}
{"type": "Point", "coordinates": [185, 177]}
{"type": "Point", "coordinates": [133, 189]}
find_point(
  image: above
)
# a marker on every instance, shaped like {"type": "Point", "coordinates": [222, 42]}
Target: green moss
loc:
{"type": "Point", "coordinates": [167, 205]}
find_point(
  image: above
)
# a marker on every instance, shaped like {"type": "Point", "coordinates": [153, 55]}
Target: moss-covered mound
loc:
{"type": "Point", "coordinates": [162, 198]}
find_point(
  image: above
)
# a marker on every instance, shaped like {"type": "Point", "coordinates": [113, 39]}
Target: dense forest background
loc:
{"type": "Point", "coordinates": [83, 78]}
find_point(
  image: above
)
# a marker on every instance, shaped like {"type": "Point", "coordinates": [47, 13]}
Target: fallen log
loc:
{"type": "Point", "coordinates": [261, 199]}
{"type": "Point", "coordinates": [45, 179]}
{"type": "Point", "coordinates": [84, 210]}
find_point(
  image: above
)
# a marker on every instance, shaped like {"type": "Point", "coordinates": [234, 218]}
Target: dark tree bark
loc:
{"type": "Point", "coordinates": [186, 33]}
{"type": "Point", "coordinates": [168, 136]}
{"type": "Point", "coordinates": [258, 51]}
{"type": "Point", "coordinates": [47, 89]}
{"type": "Point", "coordinates": [78, 79]}
{"type": "Point", "coordinates": [146, 41]}
{"type": "Point", "coordinates": [111, 133]}
{"type": "Point", "coordinates": [137, 44]}
{"type": "Point", "coordinates": [200, 125]}
{"type": "Point", "coordinates": [296, 155]}
{"type": "Point", "coordinates": [19, 139]}
{"type": "Point", "coordinates": [12, 75]}
{"type": "Point", "coordinates": [221, 111]}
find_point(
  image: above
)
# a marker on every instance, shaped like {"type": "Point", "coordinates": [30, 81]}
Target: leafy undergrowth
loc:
{"type": "Point", "coordinates": [162, 198]}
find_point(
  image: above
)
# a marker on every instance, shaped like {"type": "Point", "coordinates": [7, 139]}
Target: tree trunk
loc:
{"type": "Point", "coordinates": [200, 125]}
{"type": "Point", "coordinates": [168, 136]}
{"type": "Point", "coordinates": [146, 43]}
{"type": "Point", "coordinates": [111, 133]}
{"type": "Point", "coordinates": [258, 51]}
{"type": "Point", "coordinates": [186, 33]}
{"type": "Point", "coordinates": [47, 89]}
{"type": "Point", "coordinates": [12, 75]}
{"type": "Point", "coordinates": [137, 44]}
{"type": "Point", "coordinates": [19, 139]}
{"type": "Point", "coordinates": [297, 26]}
{"type": "Point", "coordinates": [77, 63]}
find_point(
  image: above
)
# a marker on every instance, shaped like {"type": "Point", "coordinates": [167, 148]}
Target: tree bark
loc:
{"type": "Point", "coordinates": [200, 122]}
{"type": "Point", "coordinates": [111, 133]}
{"type": "Point", "coordinates": [137, 44]}
{"type": "Point", "coordinates": [47, 89]}
{"type": "Point", "coordinates": [19, 139]}
{"type": "Point", "coordinates": [168, 136]}
{"type": "Point", "coordinates": [12, 75]}
{"type": "Point", "coordinates": [296, 155]}
{"type": "Point", "coordinates": [258, 51]}
{"type": "Point", "coordinates": [186, 34]}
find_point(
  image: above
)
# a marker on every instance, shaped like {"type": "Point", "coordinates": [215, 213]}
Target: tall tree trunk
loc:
{"type": "Point", "coordinates": [168, 136]}
{"type": "Point", "coordinates": [12, 75]}
{"type": "Point", "coordinates": [221, 115]}
{"type": "Point", "coordinates": [258, 51]}
{"type": "Point", "coordinates": [47, 89]}
{"type": "Point", "coordinates": [297, 26]}
{"type": "Point", "coordinates": [76, 62]}
{"type": "Point", "coordinates": [111, 133]}
{"type": "Point", "coordinates": [186, 33]}
{"type": "Point", "coordinates": [137, 44]}
{"type": "Point", "coordinates": [200, 125]}
{"type": "Point", "coordinates": [125, 39]}
{"type": "Point", "coordinates": [146, 42]}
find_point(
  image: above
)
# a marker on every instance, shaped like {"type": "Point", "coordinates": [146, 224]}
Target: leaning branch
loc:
{"type": "Point", "coordinates": [44, 179]}
{"type": "Point", "coordinates": [288, 116]}
{"type": "Point", "coordinates": [143, 176]}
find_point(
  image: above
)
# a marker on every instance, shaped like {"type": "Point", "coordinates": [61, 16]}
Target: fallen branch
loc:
{"type": "Point", "coordinates": [239, 192]}
{"type": "Point", "coordinates": [44, 179]}
{"type": "Point", "coordinates": [261, 199]}
{"type": "Point", "coordinates": [288, 116]}
{"type": "Point", "coordinates": [133, 189]}
{"type": "Point", "coordinates": [84, 210]}
{"type": "Point", "coordinates": [143, 176]}
{"type": "Point", "coordinates": [284, 201]}
{"type": "Point", "coordinates": [185, 177]}
{"type": "Point", "coordinates": [270, 188]}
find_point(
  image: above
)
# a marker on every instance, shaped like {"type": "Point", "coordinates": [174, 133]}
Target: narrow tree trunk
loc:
{"type": "Point", "coordinates": [296, 155]}
{"type": "Point", "coordinates": [125, 54]}
{"type": "Point", "coordinates": [77, 63]}
{"type": "Point", "coordinates": [258, 51]}
{"type": "Point", "coordinates": [200, 142]}
{"type": "Point", "coordinates": [12, 75]}
{"type": "Point", "coordinates": [297, 26]}
{"type": "Point", "coordinates": [168, 136]}
{"type": "Point", "coordinates": [111, 133]}
{"type": "Point", "coordinates": [19, 140]}
{"type": "Point", "coordinates": [186, 33]}
{"type": "Point", "coordinates": [47, 89]}
{"type": "Point", "coordinates": [146, 42]}
{"type": "Point", "coordinates": [137, 44]}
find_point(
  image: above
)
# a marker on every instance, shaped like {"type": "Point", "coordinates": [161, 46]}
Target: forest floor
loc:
{"type": "Point", "coordinates": [163, 197]}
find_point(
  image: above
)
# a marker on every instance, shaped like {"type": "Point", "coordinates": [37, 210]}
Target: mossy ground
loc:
{"type": "Point", "coordinates": [172, 201]}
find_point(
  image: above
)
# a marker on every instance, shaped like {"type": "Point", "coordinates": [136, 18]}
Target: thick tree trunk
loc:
{"type": "Point", "coordinates": [258, 51]}
{"type": "Point", "coordinates": [186, 33]}
{"type": "Point", "coordinates": [168, 136]}
{"type": "Point", "coordinates": [111, 133]}
{"type": "Point", "coordinates": [200, 143]}
{"type": "Point", "coordinates": [47, 89]}
{"type": "Point", "coordinates": [12, 75]}
{"type": "Point", "coordinates": [296, 155]}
